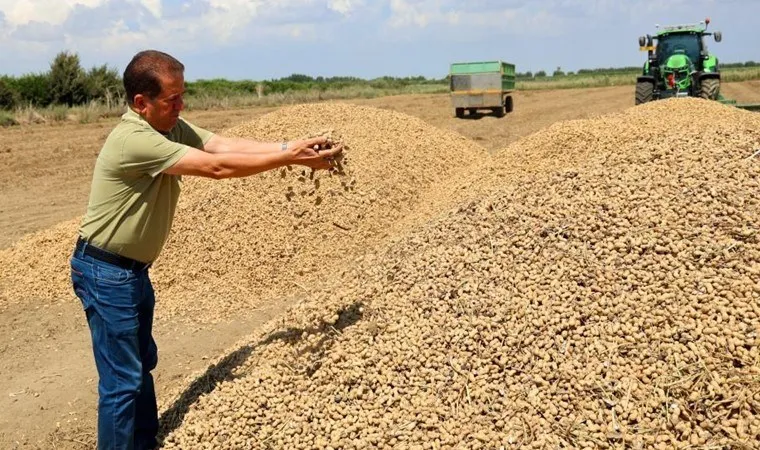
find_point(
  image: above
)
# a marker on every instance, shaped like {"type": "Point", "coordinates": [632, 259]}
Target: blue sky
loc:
{"type": "Point", "coordinates": [263, 39]}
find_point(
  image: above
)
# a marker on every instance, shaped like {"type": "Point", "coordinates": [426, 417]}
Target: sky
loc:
{"type": "Point", "coordinates": [265, 39]}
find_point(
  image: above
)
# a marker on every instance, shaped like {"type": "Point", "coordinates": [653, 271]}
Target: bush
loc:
{"type": "Point", "coordinates": [33, 89]}
{"type": "Point", "coordinates": [8, 96]}
{"type": "Point", "coordinates": [7, 119]}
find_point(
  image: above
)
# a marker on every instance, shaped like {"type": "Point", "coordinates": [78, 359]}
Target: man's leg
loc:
{"type": "Point", "coordinates": [146, 425]}
{"type": "Point", "coordinates": [111, 297]}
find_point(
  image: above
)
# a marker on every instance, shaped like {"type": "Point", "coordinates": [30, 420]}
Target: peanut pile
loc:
{"type": "Point", "coordinates": [608, 300]}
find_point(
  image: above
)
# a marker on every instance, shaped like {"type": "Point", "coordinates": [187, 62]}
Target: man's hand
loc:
{"type": "Point", "coordinates": [316, 153]}
{"type": "Point", "coordinates": [321, 141]}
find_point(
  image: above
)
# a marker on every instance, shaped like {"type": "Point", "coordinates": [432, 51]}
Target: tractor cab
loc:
{"type": "Point", "coordinates": [688, 44]}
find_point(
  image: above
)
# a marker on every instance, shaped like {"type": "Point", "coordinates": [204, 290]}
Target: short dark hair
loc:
{"type": "Point", "coordinates": [142, 73]}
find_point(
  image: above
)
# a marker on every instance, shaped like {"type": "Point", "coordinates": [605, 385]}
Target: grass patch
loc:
{"type": "Point", "coordinates": [585, 81]}
{"type": "Point", "coordinates": [244, 100]}
{"type": "Point", "coordinates": [7, 119]}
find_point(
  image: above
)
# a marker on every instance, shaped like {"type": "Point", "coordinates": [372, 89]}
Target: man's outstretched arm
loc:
{"type": "Point", "coordinates": [243, 164]}
{"type": "Point", "coordinates": [220, 144]}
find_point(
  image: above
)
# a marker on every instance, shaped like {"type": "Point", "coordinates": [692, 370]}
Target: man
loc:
{"type": "Point", "coordinates": [135, 187]}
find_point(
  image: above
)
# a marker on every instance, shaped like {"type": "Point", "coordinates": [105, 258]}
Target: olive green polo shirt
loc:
{"type": "Point", "coordinates": [132, 203]}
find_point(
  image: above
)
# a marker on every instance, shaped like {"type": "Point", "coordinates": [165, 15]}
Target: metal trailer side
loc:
{"type": "Point", "coordinates": [482, 85]}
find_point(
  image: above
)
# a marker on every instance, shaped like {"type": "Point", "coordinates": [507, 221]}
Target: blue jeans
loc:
{"type": "Point", "coordinates": [119, 305]}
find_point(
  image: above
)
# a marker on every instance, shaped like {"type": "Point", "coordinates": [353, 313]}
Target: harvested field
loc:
{"type": "Point", "coordinates": [601, 257]}
{"type": "Point", "coordinates": [608, 302]}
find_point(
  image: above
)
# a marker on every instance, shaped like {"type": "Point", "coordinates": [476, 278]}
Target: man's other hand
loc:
{"type": "Point", "coordinates": [304, 153]}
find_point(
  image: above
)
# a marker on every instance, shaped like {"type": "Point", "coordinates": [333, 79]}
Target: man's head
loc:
{"type": "Point", "coordinates": [155, 83]}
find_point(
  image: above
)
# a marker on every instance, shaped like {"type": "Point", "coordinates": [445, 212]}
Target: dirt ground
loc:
{"type": "Point", "coordinates": [48, 391]}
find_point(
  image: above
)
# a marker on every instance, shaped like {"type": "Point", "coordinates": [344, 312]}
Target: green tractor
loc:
{"type": "Point", "coordinates": [679, 64]}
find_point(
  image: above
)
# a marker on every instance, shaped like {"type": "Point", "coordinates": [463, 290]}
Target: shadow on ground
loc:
{"type": "Point", "coordinates": [173, 417]}
{"type": "Point", "coordinates": [479, 115]}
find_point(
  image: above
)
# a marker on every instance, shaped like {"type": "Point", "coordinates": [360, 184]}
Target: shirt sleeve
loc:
{"type": "Point", "coordinates": [192, 135]}
{"type": "Point", "coordinates": [146, 152]}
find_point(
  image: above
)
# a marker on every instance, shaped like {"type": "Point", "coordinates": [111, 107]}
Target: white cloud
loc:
{"type": "Point", "coordinates": [221, 21]}
{"type": "Point", "coordinates": [474, 19]}
{"type": "Point", "coordinates": [247, 7]}
{"type": "Point", "coordinates": [38, 32]}
{"type": "Point", "coordinates": [345, 7]}
{"type": "Point", "coordinates": [535, 17]}
{"type": "Point", "coordinates": [194, 25]}
{"type": "Point", "coordinates": [113, 24]}
{"type": "Point", "coordinates": [154, 6]}
{"type": "Point", "coordinates": [239, 20]}
{"type": "Point", "coordinates": [413, 12]}
{"type": "Point", "coordinates": [110, 29]}
{"type": "Point", "coordinates": [46, 11]}
{"type": "Point", "coordinates": [473, 13]}
{"type": "Point", "coordinates": [227, 17]}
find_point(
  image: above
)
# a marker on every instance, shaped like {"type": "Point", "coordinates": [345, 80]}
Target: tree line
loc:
{"type": "Point", "coordinates": [299, 82]}
{"type": "Point", "coordinates": [67, 83]}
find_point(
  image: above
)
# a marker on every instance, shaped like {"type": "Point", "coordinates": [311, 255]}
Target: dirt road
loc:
{"type": "Point", "coordinates": [48, 392]}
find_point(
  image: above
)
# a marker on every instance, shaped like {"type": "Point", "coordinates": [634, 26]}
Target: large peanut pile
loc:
{"type": "Point", "coordinates": [238, 243]}
{"type": "Point", "coordinates": [610, 301]}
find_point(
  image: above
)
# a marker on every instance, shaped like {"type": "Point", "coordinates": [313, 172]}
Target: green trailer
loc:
{"type": "Point", "coordinates": [482, 85]}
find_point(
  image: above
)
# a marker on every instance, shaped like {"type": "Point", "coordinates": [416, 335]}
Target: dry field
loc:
{"type": "Point", "coordinates": [524, 281]}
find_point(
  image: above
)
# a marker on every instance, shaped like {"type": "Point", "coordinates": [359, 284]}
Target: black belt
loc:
{"type": "Point", "coordinates": [110, 258]}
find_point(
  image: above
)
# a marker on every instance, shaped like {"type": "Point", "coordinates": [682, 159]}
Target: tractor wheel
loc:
{"type": "Point", "coordinates": [644, 92]}
{"type": "Point", "coordinates": [710, 88]}
{"type": "Point", "coordinates": [459, 112]}
{"type": "Point", "coordinates": [509, 104]}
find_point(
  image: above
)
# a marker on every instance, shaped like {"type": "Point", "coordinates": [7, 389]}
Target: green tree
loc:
{"type": "Point", "coordinates": [104, 83]}
{"type": "Point", "coordinates": [298, 78]}
{"type": "Point", "coordinates": [68, 81]}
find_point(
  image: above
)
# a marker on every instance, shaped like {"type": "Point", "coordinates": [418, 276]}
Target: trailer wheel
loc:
{"type": "Point", "coordinates": [498, 112]}
{"type": "Point", "coordinates": [509, 105]}
{"type": "Point", "coordinates": [459, 112]}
